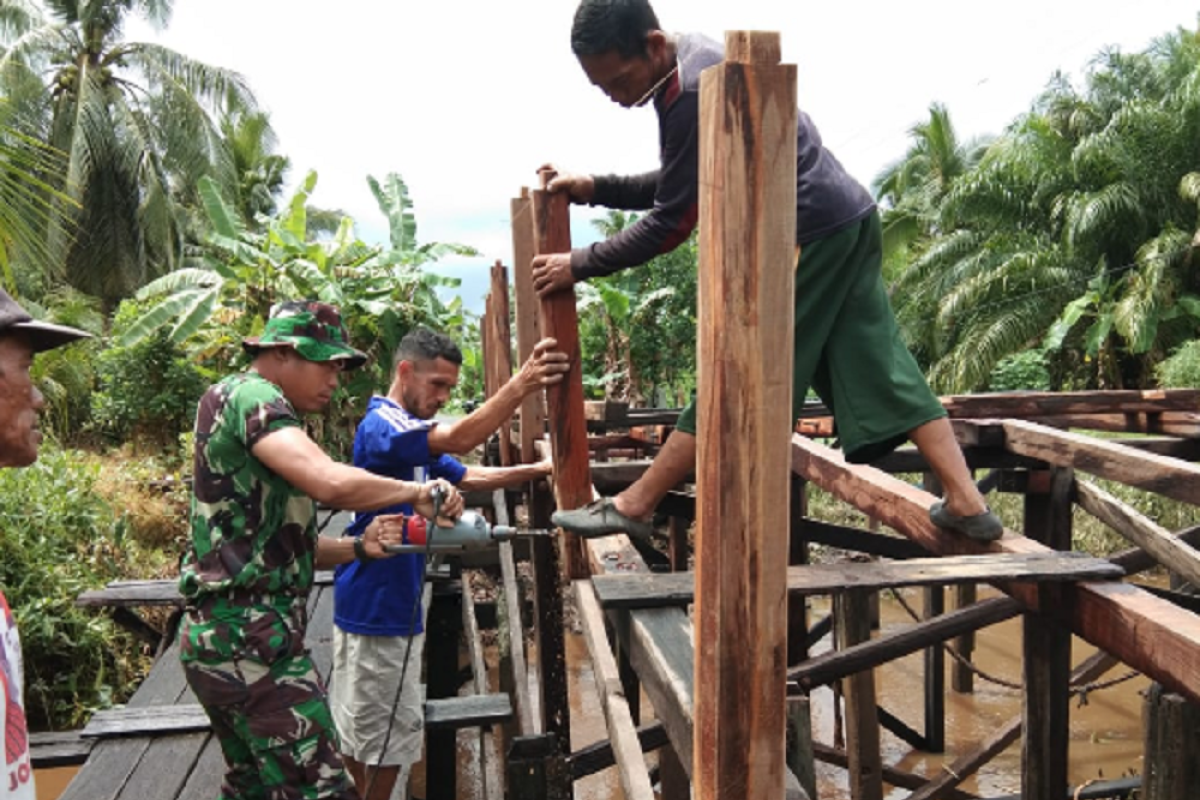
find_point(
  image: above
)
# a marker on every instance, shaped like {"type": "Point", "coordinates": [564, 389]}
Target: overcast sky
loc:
{"type": "Point", "coordinates": [465, 98]}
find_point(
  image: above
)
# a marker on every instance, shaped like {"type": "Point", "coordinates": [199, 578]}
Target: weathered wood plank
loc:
{"type": "Point", "coordinates": [204, 780]}
{"type": "Point", "coordinates": [677, 588]}
{"type": "Point", "coordinates": [51, 749]}
{"type": "Point", "coordinates": [1145, 632]}
{"type": "Point", "coordinates": [564, 400]}
{"type": "Point", "coordinates": [1151, 537]}
{"type": "Point", "coordinates": [143, 721]}
{"type": "Point", "coordinates": [113, 761]}
{"type": "Point", "coordinates": [453, 713]}
{"type": "Point", "coordinates": [1106, 458]}
{"type": "Point", "coordinates": [631, 766]}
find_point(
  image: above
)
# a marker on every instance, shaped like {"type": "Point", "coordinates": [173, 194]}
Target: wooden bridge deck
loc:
{"type": "Point", "coordinates": [175, 763]}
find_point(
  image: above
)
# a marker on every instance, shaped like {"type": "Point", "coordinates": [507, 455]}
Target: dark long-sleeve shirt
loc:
{"type": "Point", "coordinates": [827, 198]}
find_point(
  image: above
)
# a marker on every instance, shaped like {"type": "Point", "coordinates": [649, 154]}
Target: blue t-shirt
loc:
{"type": "Point", "coordinates": [377, 599]}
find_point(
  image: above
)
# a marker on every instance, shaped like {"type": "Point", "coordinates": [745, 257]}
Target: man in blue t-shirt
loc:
{"type": "Point", "coordinates": [378, 620]}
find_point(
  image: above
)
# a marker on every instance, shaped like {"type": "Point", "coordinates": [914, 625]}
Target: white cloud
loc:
{"type": "Point", "coordinates": [465, 99]}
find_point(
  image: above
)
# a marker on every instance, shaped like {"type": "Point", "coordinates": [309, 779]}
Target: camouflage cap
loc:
{"type": "Point", "coordinates": [312, 329]}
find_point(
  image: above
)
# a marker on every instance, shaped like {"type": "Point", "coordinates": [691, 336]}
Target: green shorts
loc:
{"type": "Point", "coordinates": [849, 349]}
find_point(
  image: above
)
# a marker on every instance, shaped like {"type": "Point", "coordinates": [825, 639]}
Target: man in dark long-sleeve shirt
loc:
{"type": "Point", "coordinates": [847, 345]}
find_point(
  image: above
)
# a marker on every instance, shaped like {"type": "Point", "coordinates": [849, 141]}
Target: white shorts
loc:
{"type": "Point", "coordinates": [366, 672]}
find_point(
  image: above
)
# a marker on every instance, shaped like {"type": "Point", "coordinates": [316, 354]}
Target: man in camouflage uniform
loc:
{"type": "Point", "coordinates": [254, 548]}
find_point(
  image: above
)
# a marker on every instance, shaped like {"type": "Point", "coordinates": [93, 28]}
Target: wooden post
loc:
{"type": "Point", "coordinates": [935, 657]}
{"type": "Point", "coordinates": [533, 412]}
{"type": "Point", "coordinates": [962, 679]}
{"type": "Point", "coordinates": [500, 350]}
{"type": "Point", "coordinates": [441, 642]}
{"type": "Point", "coordinates": [797, 554]}
{"type": "Point", "coordinates": [564, 400]}
{"type": "Point", "coordinates": [1047, 652]}
{"type": "Point", "coordinates": [747, 255]}
{"type": "Point", "coordinates": [852, 624]}
{"type": "Point", "coordinates": [537, 769]}
{"type": "Point", "coordinates": [1172, 771]}
{"type": "Point", "coordinates": [800, 759]}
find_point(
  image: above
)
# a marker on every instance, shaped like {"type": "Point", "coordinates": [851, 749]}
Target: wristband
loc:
{"type": "Point", "coordinates": [360, 551]}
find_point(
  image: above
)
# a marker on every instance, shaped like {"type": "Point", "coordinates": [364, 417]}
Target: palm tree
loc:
{"type": "Point", "coordinates": [912, 188]}
{"type": "Point", "coordinates": [133, 119]}
{"type": "Point", "coordinates": [1074, 233]}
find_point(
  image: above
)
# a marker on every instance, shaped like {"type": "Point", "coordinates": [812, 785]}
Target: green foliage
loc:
{"type": "Point", "coordinates": [147, 392]}
{"type": "Point", "coordinates": [209, 306]}
{"type": "Point", "coordinates": [66, 376]}
{"type": "Point", "coordinates": [132, 120]}
{"type": "Point", "coordinates": [1027, 371]}
{"type": "Point", "coordinates": [1182, 369]}
{"type": "Point", "coordinates": [57, 539]}
{"type": "Point", "coordinates": [637, 328]}
{"type": "Point", "coordinates": [1072, 234]}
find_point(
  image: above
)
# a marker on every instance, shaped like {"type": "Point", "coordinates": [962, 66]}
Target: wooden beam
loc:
{"type": "Point", "coordinates": [142, 721]}
{"type": "Point", "coordinates": [533, 411]}
{"type": "Point", "coordinates": [1106, 458]}
{"type": "Point", "coordinates": [837, 664]}
{"type": "Point", "coordinates": [1170, 423]}
{"type": "Point", "coordinates": [891, 775]}
{"type": "Point", "coordinates": [1028, 405]}
{"type": "Point", "coordinates": [747, 254]}
{"type": "Point", "coordinates": [595, 757]}
{"type": "Point", "coordinates": [1170, 551]}
{"type": "Point", "coordinates": [648, 590]}
{"type": "Point", "coordinates": [489, 735]}
{"type": "Point", "coordinates": [564, 400]}
{"type": "Point", "coordinates": [635, 781]}
{"type": "Point", "coordinates": [1149, 634]}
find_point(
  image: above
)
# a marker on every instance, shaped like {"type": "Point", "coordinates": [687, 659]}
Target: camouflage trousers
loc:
{"type": "Point", "coordinates": [267, 705]}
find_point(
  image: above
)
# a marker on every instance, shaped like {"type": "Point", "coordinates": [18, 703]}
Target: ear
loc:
{"type": "Point", "coordinates": [656, 45]}
{"type": "Point", "coordinates": [405, 369]}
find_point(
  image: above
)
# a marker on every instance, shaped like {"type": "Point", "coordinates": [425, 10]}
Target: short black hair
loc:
{"type": "Point", "coordinates": [422, 344]}
{"type": "Point", "coordinates": [602, 26]}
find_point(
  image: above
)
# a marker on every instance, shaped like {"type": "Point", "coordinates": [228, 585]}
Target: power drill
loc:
{"type": "Point", "coordinates": [471, 531]}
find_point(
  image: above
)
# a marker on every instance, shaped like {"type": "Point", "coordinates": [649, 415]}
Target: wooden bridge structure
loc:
{"type": "Point", "coordinates": [722, 651]}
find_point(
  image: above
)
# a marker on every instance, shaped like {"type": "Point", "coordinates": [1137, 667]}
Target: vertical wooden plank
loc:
{"type": "Point", "coordinates": [962, 679]}
{"type": "Point", "coordinates": [747, 254]}
{"type": "Point", "coordinates": [564, 400]}
{"type": "Point", "coordinates": [797, 604]}
{"type": "Point", "coordinates": [677, 548]}
{"type": "Point", "coordinates": [1047, 646]}
{"type": "Point", "coordinates": [1172, 771]}
{"type": "Point", "coordinates": [500, 349]}
{"type": "Point", "coordinates": [442, 630]}
{"type": "Point", "coordinates": [1047, 672]}
{"type": "Point", "coordinates": [533, 411]}
{"type": "Point", "coordinates": [550, 628]}
{"type": "Point", "coordinates": [935, 657]}
{"type": "Point", "coordinates": [800, 758]}
{"type": "Point", "coordinates": [852, 623]}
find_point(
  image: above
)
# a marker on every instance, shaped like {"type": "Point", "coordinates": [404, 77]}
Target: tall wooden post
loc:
{"type": "Point", "coordinates": [533, 411]}
{"type": "Point", "coordinates": [500, 350]}
{"type": "Point", "coordinates": [547, 566]}
{"type": "Point", "coordinates": [747, 255]}
{"type": "Point", "coordinates": [564, 400]}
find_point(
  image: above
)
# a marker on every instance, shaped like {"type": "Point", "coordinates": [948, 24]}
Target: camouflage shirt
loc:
{"type": "Point", "coordinates": [254, 535]}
